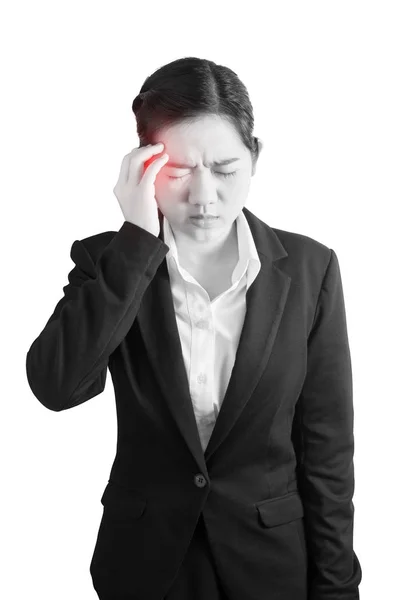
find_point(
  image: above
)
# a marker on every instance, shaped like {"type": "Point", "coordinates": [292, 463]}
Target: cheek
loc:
{"type": "Point", "coordinates": [170, 187]}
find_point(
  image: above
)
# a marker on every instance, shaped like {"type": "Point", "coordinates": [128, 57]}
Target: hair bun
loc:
{"type": "Point", "coordinates": [138, 101]}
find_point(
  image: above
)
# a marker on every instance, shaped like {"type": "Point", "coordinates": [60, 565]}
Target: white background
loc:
{"type": "Point", "coordinates": [323, 78]}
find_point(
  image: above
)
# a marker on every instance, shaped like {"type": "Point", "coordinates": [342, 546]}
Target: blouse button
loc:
{"type": "Point", "coordinates": [202, 378]}
{"type": "Point", "coordinates": [202, 324]}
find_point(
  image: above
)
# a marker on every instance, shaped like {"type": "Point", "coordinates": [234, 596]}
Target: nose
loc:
{"type": "Point", "coordinates": [202, 190]}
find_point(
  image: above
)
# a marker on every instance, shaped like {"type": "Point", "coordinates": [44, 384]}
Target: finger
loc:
{"type": "Point", "coordinates": [154, 168]}
{"type": "Point", "coordinates": [138, 158]}
{"type": "Point", "coordinates": [124, 170]}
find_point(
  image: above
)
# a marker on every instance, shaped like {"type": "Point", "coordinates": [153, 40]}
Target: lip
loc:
{"type": "Point", "coordinates": [204, 222]}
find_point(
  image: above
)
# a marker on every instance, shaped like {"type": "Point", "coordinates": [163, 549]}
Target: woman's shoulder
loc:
{"type": "Point", "coordinates": [291, 245]}
{"type": "Point", "coordinates": [307, 258]}
{"type": "Point", "coordinates": [295, 241]}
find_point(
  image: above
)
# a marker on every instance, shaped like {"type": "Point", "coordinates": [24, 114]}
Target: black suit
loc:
{"type": "Point", "coordinates": [276, 481]}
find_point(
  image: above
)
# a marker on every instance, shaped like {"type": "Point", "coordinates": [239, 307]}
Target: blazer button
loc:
{"type": "Point", "coordinates": [200, 480]}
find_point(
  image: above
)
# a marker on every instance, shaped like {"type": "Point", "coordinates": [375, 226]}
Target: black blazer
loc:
{"type": "Point", "coordinates": [276, 481]}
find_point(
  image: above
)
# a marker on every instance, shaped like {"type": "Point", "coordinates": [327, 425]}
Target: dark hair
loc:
{"type": "Point", "coordinates": [188, 88]}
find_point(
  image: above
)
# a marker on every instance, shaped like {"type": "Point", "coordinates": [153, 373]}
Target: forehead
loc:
{"type": "Point", "coordinates": [209, 137]}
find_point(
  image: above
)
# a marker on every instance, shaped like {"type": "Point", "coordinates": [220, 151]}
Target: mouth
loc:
{"type": "Point", "coordinates": [204, 217]}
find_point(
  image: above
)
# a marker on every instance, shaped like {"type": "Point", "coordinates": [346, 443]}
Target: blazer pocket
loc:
{"type": "Point", "coordinates": [123, 502]}
{"type": "Point", "coordinates": [280, 510]}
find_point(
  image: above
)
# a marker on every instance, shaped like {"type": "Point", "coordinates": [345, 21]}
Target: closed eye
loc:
{"type": "Point", "coordinates": [217, 173]}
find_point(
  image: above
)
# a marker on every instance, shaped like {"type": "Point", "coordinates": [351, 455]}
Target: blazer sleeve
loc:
{"type": "Point", "coordinates": [324, 413]}
{"type": "Point", "coordinates": [66, 364]}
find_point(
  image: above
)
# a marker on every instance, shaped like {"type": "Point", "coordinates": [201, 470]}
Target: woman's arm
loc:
{"type": "Point", "coordinates": [67, 363]}
{"type": "Point", "coordinates": [325, 446]}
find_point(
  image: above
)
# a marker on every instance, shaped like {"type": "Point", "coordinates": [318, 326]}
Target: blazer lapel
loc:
{"type": "Point", "coordinates": [266, 299]}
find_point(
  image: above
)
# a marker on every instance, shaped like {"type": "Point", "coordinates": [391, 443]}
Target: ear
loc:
{"type": "Point", "coordinates": [260, 147]}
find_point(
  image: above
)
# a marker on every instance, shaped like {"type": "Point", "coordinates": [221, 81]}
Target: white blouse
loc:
{"type": "Point", "coordinates": [210, 330]}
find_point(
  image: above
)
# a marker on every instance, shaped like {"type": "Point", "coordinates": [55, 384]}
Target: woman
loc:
{"type": "Point", "coordinates": [233, 477]}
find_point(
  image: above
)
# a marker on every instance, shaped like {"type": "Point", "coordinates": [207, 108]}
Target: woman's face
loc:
{"type": "Point", "coordinates": [195, 185]}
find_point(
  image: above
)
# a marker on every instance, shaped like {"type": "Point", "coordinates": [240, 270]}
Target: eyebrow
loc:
{"type": "Point", "coordinates": [219, 163]}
